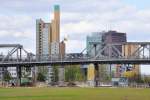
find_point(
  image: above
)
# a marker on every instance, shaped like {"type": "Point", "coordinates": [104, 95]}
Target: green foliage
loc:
{"type": "Point", "coordinates": [7, 76]}
{"type": "Point", "coordinates": [138, 79]}
{"type": "Point", "coordinates": [41, 77]}
{"type": "Point", "coordinates": [43, 70]}
{"type": "Point", "coordinates": [104, 76]}
{"type": "Point", "coordinates": [146, 79]}
{"type": "Point", "coordinates": [73, 73]}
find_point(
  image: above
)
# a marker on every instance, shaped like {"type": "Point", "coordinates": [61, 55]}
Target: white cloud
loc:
{"type": "Point", "coordinates": [75, 46]}
{"type": "Point", "coordinates": [78, 18]}
{"type": "Point", "coordinates": [79, 27]}
{"type": "Point", "coordinates": [17, 29]}
{"type": "Point", "coordinates": [17, 26]}
{"type": "Point", "coordinates": [116, 15]}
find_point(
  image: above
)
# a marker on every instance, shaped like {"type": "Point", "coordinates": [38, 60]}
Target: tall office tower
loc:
{"type": "Point", "coordinates": [56, 26]}
{"type": "Point", "coordinates": [55, 36]}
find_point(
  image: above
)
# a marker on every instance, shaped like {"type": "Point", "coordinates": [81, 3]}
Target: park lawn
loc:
{"type": "Point", "coordinates": [74, 94]}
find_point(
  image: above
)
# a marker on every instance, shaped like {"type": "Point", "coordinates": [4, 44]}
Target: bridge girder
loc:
{"type": "Point", "coordinates": [108, 54]}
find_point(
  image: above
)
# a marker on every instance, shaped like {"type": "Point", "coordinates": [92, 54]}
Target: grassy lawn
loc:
{"type": "Point", "coordinates": [74, 94]}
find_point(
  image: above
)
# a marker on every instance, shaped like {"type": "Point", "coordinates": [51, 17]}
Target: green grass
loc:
{"type": "Point", "coordinates": [74, 94]}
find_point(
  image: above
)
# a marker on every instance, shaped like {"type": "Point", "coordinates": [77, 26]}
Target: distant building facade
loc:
{"type": "Point", "coordinates": [114, 37]}
{"type": "Point", "coordinates": [129, 50]}
{"type": "Point", "coordinates": [42, 38]}
{"type": "Point", "coordinates": [111, 37]}
{"type": "Point", "coordinates": [94, 43]}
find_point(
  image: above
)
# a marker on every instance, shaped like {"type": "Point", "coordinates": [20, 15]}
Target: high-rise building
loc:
{"type": "Point", "coordinates": [42, 38]}
{"type": "Point", "coordinates": [56, 25]}
{"type": "Point", "coordinates": [55, 36]}
{"type": "Point", "coordinates": [48, 35]}
{"type": "Point", "coordinates": [48, 40]}
{"type": "Point", "coordinates": [39, 28]}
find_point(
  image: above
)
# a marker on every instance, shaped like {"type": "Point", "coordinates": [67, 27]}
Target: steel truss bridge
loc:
{"type": "Point", "coordinates": [18, 57]}
{"type": "Point", "coordinates": [108, 54]}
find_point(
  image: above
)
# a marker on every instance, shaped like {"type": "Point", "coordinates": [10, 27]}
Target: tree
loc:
{"type": "Point", "coordinates": [73, 73]}
{"type": "Point", "coordinates": [103, 73]}
{"type": "Point", "coordinates": [43, 70]}
{"type": "Point", "coordinates": [146, 79]}
{"type": "Point", "coordinates": [138, 78]}
{"type": "Point", "coordinates": [7, 76]}
{"type": "Point", "coordinates": [41, 77]}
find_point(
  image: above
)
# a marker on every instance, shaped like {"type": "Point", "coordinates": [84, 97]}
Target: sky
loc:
{"type": "Point", "coordinates": [79, 18]}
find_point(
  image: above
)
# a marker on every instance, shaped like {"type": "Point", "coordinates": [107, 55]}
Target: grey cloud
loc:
{"type": "Point", "coordinates": [78, 18]}
{"type": "Point", "coordinates": [35, 6]}
{"type": "Point", "coordinates": [24, 6]}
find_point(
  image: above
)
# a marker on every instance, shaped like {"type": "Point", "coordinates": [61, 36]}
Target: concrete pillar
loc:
{"type": "Point", "coordinates": [50, 74]}
{"type": "Point", "coordinates": [91, 75]}
{"type": "Point", "coordinates": [96, 75]}
{"type": "Point", "coordinates": [34, 74]}
{"type": "Point", "coordinates": [18, 75]}
{"type": "Point", "coordinates": [61, 75]}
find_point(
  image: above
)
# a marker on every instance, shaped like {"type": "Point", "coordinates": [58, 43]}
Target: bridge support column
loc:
{"type": "Point", "coordinates": [50, 74]}
{"type": "Point", "coordinates": [96, 75]}
{"type": "Point", "coordinates": [61, 75]}
{"type": "Point", "coordinates": [91, 75]}
{"type": "Point", "coordinates": [34, 75]}
{"type": "Point", "coordinates": [18, 75]}
{"type": "Point", "coordinates": [110, 70]}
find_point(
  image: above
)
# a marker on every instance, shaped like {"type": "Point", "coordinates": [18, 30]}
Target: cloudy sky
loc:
{"type": "Point", "coordinates": [78, 19]}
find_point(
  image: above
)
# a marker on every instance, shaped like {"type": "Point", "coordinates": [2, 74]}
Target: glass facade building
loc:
{"type": "Point", "coordinates": [93, 43]}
